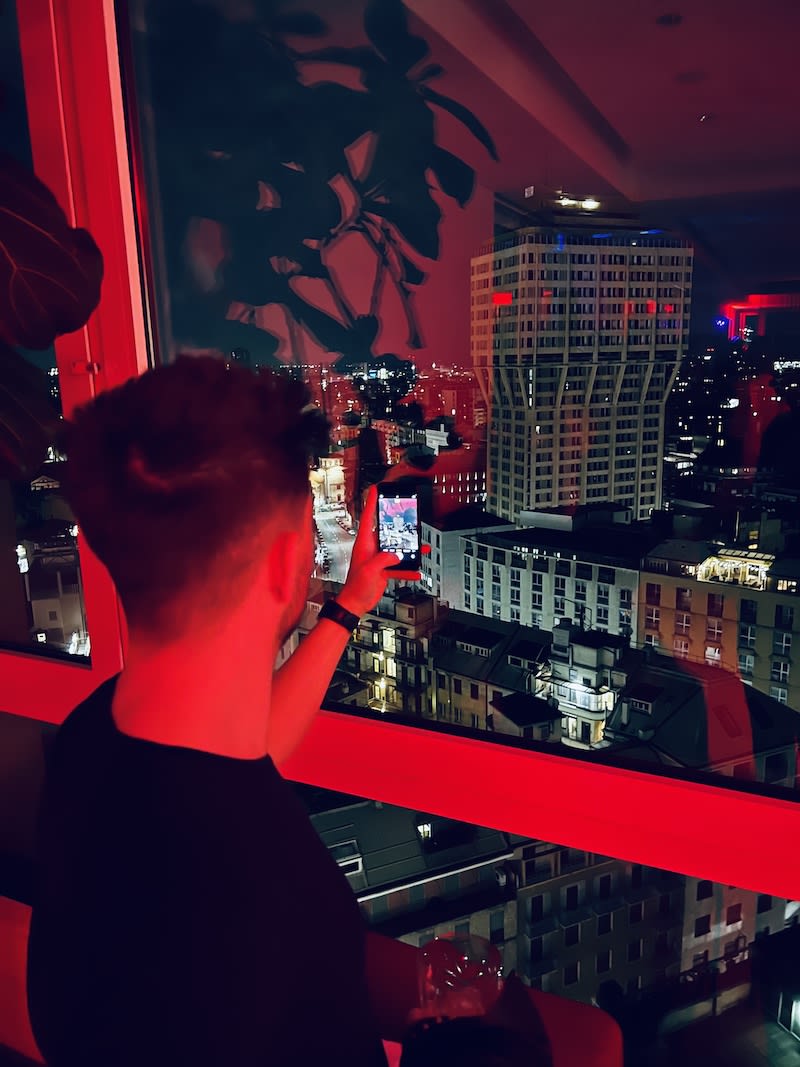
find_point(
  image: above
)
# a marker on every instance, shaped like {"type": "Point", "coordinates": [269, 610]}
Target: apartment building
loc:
{"type": "Point", "coordinates": [576, 338]}
{"type": "Point", "coordinates": [537, 576]}
{"type": "Point", "coordinates": [389, 651]}
{"type": "Point", "coordinates": [441, 568]}
{"type": "Point", "coordinates": [565, 919]}
{"type": "Point", "coordinates": [586, 919]}
{"type": "Point", "coordinates": [730, 607]}
{"type": "Point", "coordinates": [701, 718]}
{"type": "Point", "coordinates": [418, 876]}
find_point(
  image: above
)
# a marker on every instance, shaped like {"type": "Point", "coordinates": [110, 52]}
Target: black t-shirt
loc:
{"type": "Point", "coordinates": [187, 913]}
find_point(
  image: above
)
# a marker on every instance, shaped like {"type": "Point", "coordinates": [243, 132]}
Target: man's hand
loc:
{"type": "Point", "coordinates": [367, 577]}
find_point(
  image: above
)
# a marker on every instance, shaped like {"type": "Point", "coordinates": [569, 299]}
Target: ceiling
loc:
{"type": "Point", "coordinates": [684, 113]}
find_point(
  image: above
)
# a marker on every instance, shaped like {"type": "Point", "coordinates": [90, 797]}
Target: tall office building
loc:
{"type": "Point", "coordinates": [576, 340]}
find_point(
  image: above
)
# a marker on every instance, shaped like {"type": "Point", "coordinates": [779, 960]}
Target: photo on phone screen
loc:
{"type": "Point", "coordinates": [398, 528]}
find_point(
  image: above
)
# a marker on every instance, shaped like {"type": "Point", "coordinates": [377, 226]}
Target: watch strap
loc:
{"type": "Point", "coordinates": [334, 611]}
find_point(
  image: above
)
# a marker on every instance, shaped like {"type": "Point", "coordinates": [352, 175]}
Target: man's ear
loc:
{"type": "Point", "coordinates": [282, 565]}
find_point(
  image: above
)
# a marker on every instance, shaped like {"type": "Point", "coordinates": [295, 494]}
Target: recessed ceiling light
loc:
{"type": "Point", "coordinates": [669, 19]}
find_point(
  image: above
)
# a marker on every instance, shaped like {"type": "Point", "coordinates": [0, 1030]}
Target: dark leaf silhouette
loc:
{"type": "Point", "coordinates": [433, 70]}
{"type": "Point", "coordinates": [456, 178]}
{"type": "Point", "coordinates": [464, 115]}
{"type": "Point", "coordinates": [367, 328]}
{"type": "Point", "coordinates": [361, 56]}
{"type": "Point", "coordinates": [412, 275]}
{"type": "Point", "coordinates": [417, 220]}
{"type": "Point", "coordinates": [386, 24]}
{"type": "Point", "coordinates": [299, 23]}
{"type": "Point", "coordinates": [50, 273]}
{"type": "Point", "coordinates": [248, 139]}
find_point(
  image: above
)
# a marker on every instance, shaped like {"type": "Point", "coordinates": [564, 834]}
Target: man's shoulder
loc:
{"type": "Point", "coordinates": [90, 718]}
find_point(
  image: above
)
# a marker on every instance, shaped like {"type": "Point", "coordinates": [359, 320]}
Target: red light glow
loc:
{"type": "Point", "coordinates": [501, 299]}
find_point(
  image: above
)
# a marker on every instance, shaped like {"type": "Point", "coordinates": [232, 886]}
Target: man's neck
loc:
{"type": "Point", "coordinates": [192, 695]}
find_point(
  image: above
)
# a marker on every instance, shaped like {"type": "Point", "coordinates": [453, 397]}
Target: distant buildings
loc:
{"type": "Point", "coordinates": [576, 340]}
{"type": "Point", "coordinates": [725, 606]}
{"type": "Point", "coordinates": [566, 920]}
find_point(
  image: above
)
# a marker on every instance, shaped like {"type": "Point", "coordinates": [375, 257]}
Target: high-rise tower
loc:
{"type": "Point", "coordinates": [576, 340]}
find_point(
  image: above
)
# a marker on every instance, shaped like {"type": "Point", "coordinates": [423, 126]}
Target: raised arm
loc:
{"type": "Point", "coordinates": [299, 687]}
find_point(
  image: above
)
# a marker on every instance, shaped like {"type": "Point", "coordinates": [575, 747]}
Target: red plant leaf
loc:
{"type": "Point", "coordinates": [50, 273]}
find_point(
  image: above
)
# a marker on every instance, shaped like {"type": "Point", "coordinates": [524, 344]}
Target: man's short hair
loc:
{"type": "Point", "coordinates": [174, 477]}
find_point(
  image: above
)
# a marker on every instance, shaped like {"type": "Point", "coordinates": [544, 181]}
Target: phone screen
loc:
{"type": "Point", "coordinates": [398, 528]}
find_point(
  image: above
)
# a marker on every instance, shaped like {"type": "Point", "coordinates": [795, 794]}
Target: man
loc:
{"type": "Point", "coordinates": [188, 912]}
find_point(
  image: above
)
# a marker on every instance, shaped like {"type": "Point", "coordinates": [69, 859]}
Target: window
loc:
{"type": "Point", "coordinates": [714, 630]}
{"type": "Point", "coordinates": [683, 622]}
{"type": "Point", "coordinates": [705, 890]}
{"type": "Point", "coordinates": [637, 872]}
{"type": "Point", "coordinates": [625, 575]}
{"type": "Point", "coordinates": [781, 643]}
{"type": "Point", "coordinates": [603, 924]}
{"type": "Point", "coordinates": [580, 591]}
{"type": "Point", "coordinates": [764, 903]}
{"type": "Point", "coordinates": [652, 618]}
{"type": "Point", "coordinates": [653, 593]}
{"type": "Point", "coordinates": [473, 691]}
{"type": "Point", "coordinates": [537, 908]}
{"type": "Point", "coordinates": [680, 647]}
{"type": "Point", "coordinates": [716, 604]}
{"type": "Point", "coordinates": [779, 693]}
{"type": "Point", "coordinates": [457, 686]}
{"type": "Point", "coordinates": [779, 671]}
{"type": "Point", "coordinates": [571, 898]}
{"type": "Point", "coordinates": [747, 664]}
{"type": "Point", "coordinates": [604, 887]}
{"type": "Point", "coordinates": [734, 914]}
{"type": "Point", "coordinates": [604, 961]}
{"type": "Point", "coordinates": [571, 974]}
{"type": "Point", "coordinates": [713, 655]}
{"type": "Point", "coordinates": [784, 617]}
{"type": "Point", "coordinates": [572, 935]}
{"type": "Point", "coordinates": [747, 635]}
{"type": "Point", "coordinates": [702, 926]}
{"type": "Point", "coordinates": [683, 599]}
{"type": "Point", "coordinates": [635, 914]}
{"type": "Point", "coordinates": [634, 950]}
{"type": "Point", "coordinates": [748, 611]}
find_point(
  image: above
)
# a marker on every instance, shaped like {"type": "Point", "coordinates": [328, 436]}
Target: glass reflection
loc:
{"type": "Point", "coordinates": [687, 967]}
{"type": "Point", "coordinates": [607, 575]}
{"type": "Point", "coordinates": [41, 591]}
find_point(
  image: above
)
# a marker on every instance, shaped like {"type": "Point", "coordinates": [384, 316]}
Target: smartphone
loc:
{"type": "Point", "coordinates": [398, 526]}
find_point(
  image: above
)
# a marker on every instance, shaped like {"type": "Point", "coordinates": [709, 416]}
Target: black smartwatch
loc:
{"type": "Point", "coordinates": [334, 611]}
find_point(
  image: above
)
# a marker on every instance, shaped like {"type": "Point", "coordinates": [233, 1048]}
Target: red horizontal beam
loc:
{"type": "Point", "coordinates": [728, 835]}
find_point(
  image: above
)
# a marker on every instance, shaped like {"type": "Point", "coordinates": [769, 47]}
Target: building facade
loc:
{"type": "Point", "coordinates": [730, 607]}
{"type": "Point", "coordinates": [576, 339]}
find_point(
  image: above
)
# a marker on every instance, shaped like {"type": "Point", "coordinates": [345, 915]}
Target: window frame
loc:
{"type": "Point", "coordinates": [73, 83]}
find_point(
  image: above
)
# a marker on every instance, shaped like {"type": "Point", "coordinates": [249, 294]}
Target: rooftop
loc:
{"type": "Point", "coordinates": [525, 710]}
{"type": "Point", "coordinates": [392, 850]}
{"type": "Point", "coordinates": [470, 517]}
{"type": "Point", "coordinates": [613, 546]}
{"type": "Point", "coordinates": [701, 716]}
